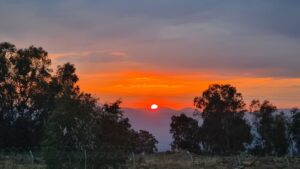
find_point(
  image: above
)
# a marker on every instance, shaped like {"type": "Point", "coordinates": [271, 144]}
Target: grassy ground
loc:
{"type": "Point", "coordinates": [9, 164]}
{"type": "Point", "coordinates": [188, 161]}
{"type": "Point", "coordinates": [182, 160]}
{"type": "Point", "coordinates": [20, 161]}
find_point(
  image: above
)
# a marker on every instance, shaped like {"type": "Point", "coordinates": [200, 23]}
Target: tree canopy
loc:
{"type": "Point", "coordinates": [224, 130]}
{"type": "Point", "coordinates": [42, 109]}
{"type": "Point", "coordinates": [185, 132]}
{"type": "Point", "coordinates": [223, 127]}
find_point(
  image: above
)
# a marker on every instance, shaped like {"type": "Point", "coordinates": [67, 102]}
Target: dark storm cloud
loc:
{"type": "Point", "coordinates": [260, 37]}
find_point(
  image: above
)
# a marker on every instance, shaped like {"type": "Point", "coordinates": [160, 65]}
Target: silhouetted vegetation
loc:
{"type": "Point", "coordinates": [39, 109]}
{"type": "Point", "coordinates": [185, 131]}
{"type": "Point", "coordinates": [295, 131]}
{"type": "Point", "coordinates": [271, 128]}
{"type": "Point", "coordinates": [226, 130]}
{"type": "Point", "coordinates": [24, 95]}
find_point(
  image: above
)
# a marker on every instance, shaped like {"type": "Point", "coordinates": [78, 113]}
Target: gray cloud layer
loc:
{"type": "Point", "coordinates": [231, 36]}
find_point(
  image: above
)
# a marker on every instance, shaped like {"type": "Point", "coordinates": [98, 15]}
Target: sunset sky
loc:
{"type": "Point", "coordinates": [166, 51]}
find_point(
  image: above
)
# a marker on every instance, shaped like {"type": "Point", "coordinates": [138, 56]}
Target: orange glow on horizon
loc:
{"type": "Point", "coordinates": [174, 90]}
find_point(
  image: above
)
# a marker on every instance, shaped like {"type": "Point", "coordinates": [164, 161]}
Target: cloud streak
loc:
{"type": "Point", "coordinates": [91, 57]}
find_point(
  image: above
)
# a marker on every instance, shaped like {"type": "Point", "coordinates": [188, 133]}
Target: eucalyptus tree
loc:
{"type": "Point", "coordinates": [224, 129]}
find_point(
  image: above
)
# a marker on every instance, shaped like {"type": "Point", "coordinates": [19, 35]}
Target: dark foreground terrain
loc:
{"type": "Point", "coordinates": [188, 161]}
{"type": "Point", "coordinates": [182, 160]}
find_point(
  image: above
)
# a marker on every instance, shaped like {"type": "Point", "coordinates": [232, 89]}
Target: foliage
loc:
{"type": "Point", "coordinates": [78, 125]}
{"type": "Point", "coordinates": [272, 129]}
{"type": "Point", "coordinates": [145, 142]}
{"type": "Point", "coordinates": [23, 84]}
{"type": "Point", "coordinates": [295, 128]}
{"type": "Point", "coordinates": [185, 132]}
{"type": "Point", "coordinates": [224, 129]}
{"type": "Point", "coordinates": [41, 109]}
{"type": "Point", "coordinates": [38, 108]}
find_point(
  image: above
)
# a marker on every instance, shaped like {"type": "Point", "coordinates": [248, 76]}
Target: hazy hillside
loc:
{"type": "Point", "coordinates": [156, 122]}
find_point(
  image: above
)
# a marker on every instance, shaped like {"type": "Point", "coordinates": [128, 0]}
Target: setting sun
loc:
{"type": "Point", "coordinates": [154, 106]}
{"type": "Point", "coordinates": [94, 84]}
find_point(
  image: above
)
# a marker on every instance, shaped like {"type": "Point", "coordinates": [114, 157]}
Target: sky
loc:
{"type": "Point", "coordinates": [166, 51]}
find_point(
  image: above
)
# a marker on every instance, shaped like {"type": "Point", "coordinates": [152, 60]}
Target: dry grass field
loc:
{"type": "Point", "coordinates": [188, 161]}
{"type": "Point", "coordinates": [183, 160]}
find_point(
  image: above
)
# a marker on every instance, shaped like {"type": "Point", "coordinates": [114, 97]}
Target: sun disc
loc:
{"type": "Point", "coordinates": [154, 106]}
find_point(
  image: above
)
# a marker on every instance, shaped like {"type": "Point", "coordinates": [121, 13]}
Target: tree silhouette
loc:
{"type": "Point", "coordinates": [295, 128]}
{"type": "Point", "coordinates": [272, 129]}
{"type": "Point", "coordinates": [185, 132]}
{"type": "Point", "coordinates": [280, 140]}
{"type": "Point", "coordinates": [77, 123]}
{"type": "Point", "coordinates": [69, 127]}
{"type": "Point", "coordinates": [41, 109]}
{"type": "Point", "coordinates": [224, 130]}
{"type": "Point", "coordinates": [24, 80]}
{"type": "Point", "coordinates": [145, 142]}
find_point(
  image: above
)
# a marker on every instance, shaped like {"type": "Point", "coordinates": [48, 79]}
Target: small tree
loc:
{"type": "Point", "coordinates": [272, 129]}
{"type": "Point", "coordinates": [146, 142]}
{"type": "Point", "coordinates": [185, 132]}
{"type": "Point", "coordinates": [224, 129]}
{"type": "Point", "coordinates": [295, 128]}
{"type": "Point", "coordinates": [280, 140]}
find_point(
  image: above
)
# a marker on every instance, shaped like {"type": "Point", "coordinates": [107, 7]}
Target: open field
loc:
{"type": "Point", "coordinates": [182, 160]}
{"type": "Point", "coordinates": [188, 161]}
{"type": "Point", "coordinates": [20, 163]}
